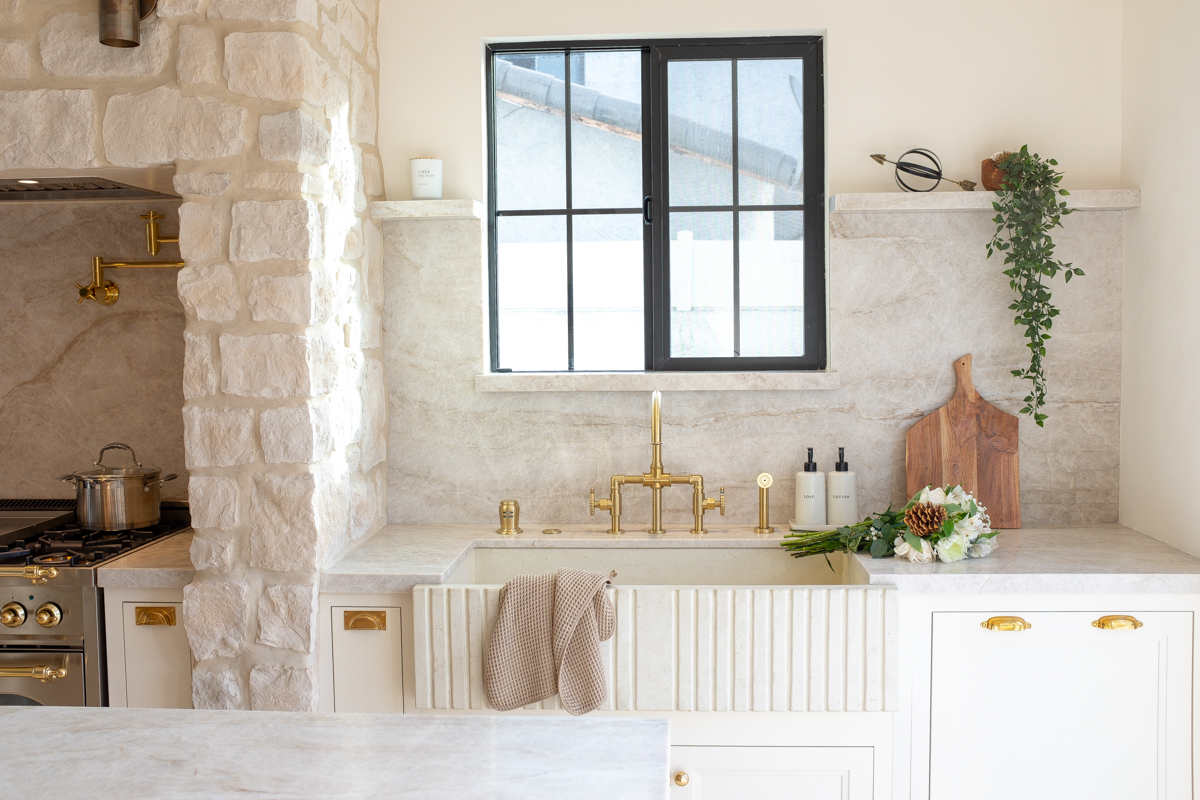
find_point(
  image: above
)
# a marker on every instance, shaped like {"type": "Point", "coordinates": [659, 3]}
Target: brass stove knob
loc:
{"type": "Point", "coordinates": [12, 615]}
{"type": "Point", "coordinates": [48, 615]}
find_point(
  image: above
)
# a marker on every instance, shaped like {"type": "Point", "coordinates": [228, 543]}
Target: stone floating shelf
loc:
{"type": "Point", "coordinates": [382, 210]}
{"type": "Point", "coordinates": [905, 202]}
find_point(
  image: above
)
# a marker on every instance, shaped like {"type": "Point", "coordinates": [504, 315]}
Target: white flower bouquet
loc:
{"type": "Point", "coordinates": [947, 524]}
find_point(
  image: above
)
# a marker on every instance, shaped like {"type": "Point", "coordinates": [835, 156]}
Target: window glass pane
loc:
{"type": "Point", "coordinates": [770, 132]}
{"type": "Point", "coordinates": [700, 132]}
{"type": "Point", "coordinates": [530, 133]}
{"type": "Point", "coordinates": [606, 128]}
{"type": "Point", "coordinates": [532, 289]}
{"type": "Point", "coordinates": [771, 282]}
{"type": "Point", "coordinates": [701, 284]}
{"type": "Point", "coordinates": [610, 330]}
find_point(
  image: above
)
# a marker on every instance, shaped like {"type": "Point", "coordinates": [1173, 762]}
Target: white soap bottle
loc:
{"type": "Point", "coordinates": [810, 495]}
{"type": "Point", "coordinates": [842, 493]}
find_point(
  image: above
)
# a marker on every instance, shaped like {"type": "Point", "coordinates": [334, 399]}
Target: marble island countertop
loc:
{"type": "Point", "coordinates": [1106, 558]}
{"type": "Point", "coordinates": [166, 753]}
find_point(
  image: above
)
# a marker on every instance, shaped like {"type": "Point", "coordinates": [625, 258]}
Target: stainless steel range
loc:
{"type": "Point", "coordinates": [51, 611]}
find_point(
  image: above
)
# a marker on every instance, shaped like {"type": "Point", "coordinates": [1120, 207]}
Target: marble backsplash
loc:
{"type": "Point", "coordinates": [76, 376]}
{"type": "Point", "coordinates": [909, 294]}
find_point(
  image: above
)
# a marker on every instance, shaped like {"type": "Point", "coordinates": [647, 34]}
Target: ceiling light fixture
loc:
{"type": "Point", "coordinates": [26, 181]}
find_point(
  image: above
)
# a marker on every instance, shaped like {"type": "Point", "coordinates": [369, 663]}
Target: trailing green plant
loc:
{"type": "Point", "coordinates": [1027, 210]}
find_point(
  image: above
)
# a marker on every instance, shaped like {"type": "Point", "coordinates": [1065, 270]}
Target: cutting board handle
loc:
{"type": "Point", "coordinates": [965, 387]}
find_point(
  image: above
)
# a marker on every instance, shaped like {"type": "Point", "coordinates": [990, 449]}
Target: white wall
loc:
{"type": "Point", "coordinates": [962, 78]}
{"type": "Point", "coordinates": [1160, 429]}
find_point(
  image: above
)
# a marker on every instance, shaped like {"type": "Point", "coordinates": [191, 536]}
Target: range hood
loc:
{"type": "Point", "coordinates": [95, 184]}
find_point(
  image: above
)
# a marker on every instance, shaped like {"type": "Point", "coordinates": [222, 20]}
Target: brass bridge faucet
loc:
{"type": "Point", "coordinates": [656, 479]}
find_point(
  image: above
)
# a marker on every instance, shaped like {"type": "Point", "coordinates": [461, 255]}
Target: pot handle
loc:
{"type": "Point", "coordinates": [116, 446]}
{"type": "Point", "coordinates": [71, 479]}
{"type": "Point", "coordinates": [170, 477]}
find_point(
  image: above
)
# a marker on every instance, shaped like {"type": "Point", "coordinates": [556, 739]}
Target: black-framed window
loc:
{"type": "Point", "coordinates": [657, 205]}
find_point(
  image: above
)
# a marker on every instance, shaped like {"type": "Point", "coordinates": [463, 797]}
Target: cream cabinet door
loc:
{"type": "Point", "coordinates": [158, 659]}
{"type": "Point", "coordinates": [1062, 708]}
{"type": "Point", "coordinates": [367, 672]}
{"type": "Point", "coordinates": [771, 773]}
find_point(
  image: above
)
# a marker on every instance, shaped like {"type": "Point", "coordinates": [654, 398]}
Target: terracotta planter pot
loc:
{"type": "Point", "coordinates": [991, 176]}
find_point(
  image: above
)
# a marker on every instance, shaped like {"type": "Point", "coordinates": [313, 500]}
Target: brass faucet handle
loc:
{"type": "Point", "coordinates": [153, 215]}
{"type": "Point", "coordinates": [593, 503]}
{"type": "Point", "coordinates": [105, 294]}
{"type": "Point", "coordinates": [712, 503]}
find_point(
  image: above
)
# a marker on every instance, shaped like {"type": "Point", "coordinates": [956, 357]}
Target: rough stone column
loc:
{"type": "Point", "coordinates": [288, 443]}
{"type": "Point", "coordinates": [268, 110]}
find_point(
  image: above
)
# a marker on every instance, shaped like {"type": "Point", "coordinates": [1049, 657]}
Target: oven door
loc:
{"type": "Point", "coordinates": [32, 678]}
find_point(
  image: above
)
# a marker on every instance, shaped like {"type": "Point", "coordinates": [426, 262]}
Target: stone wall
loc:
{"type": "Point", "coordinates": [267, 108]}
{"type": "Point", "coordinates": [909, 294]}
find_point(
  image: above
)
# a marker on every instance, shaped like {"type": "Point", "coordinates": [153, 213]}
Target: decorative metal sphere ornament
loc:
{"type": "Point", "coordinates": [930, 172]}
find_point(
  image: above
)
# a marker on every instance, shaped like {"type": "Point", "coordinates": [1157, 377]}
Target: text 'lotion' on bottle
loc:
{"type": "Point", "coordinates": [810, 494]}
{"type": "Point", "coordinates": [842, 488]}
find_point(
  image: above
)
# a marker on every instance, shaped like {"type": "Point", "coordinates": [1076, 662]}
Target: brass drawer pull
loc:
{"type": "Point", "coordinates": [682, 779]}
{"type": "Point", "coordinates": [41, 673]}
{"type": "Point", "coordinates": [1006, 624]}
{"type": "Point", "coordinates": [155, 615]}
{"type": "Point", "coordinates": [1117, 622]}
{"type": "Point", "coordinates": [366, 620]}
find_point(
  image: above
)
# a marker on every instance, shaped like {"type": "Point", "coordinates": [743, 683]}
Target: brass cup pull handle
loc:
{"type": "Point", "coordinates": [45, 674]}
{"type": "Point", "coordinates": [365, 620]}
{"type": "Point", "coordinates": [682, 778]}
{"type": "Point", "coordinates": [154, 615]}
{"type": "Point", "coordinates": [1006, 624]}
{"type": "Point", "coordinates": [1117, 622]}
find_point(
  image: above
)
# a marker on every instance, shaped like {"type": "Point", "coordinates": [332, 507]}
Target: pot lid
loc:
{"type": "Point", "coordinates": [99, 472]}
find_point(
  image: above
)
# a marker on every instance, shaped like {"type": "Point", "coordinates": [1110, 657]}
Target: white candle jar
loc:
{"type": "Point", "coordinates": [426, 178]}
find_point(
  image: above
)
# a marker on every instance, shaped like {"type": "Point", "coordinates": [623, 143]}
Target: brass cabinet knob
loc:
{"type": "Point", "coordinates": [682, 779]}
{"type": "Point", "coordinates": [1006, 624]}
{"type": "Point", "coordinates": [12, 615]}
{"type": "Point", "coordinates": [1117, 622]}
{"type": "Point", "coordinates": [48, 615]}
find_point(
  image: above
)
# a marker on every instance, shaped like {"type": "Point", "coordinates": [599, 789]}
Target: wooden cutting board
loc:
{"type": "Point", "coordinates": [968, 441]}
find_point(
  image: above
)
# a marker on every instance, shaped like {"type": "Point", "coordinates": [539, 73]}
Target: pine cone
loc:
{"type": "Point", "coordinates": [924, 519]}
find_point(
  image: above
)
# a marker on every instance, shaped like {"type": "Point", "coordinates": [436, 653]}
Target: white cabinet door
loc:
{"type": "Point", "coordinates": [1061, 709]}
{"type": "Point", "coordinates": [771, 773]}
{"type": "Point", "coordinates": [158, 659]}
{"type": "Point", "coordinates": [367, 674]}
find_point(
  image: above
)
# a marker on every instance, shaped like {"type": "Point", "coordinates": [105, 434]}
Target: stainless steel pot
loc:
{"type": "Point", "coordinates": [116, 498]}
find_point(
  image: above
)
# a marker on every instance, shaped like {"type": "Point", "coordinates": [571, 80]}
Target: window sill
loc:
{"type": "Point", "coordinates": [663, 381]}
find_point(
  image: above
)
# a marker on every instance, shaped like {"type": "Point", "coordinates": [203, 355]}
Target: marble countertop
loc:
{"type": "Point", "coordinates": [168, 754]}
{"type": "Point", "coordinates": [166, 564]}
{"type": "Point", "coordinates": [1071, 559]}
{"type": "Point", "coordinates": [400, 557]}
{"type": "Point", "coordinates": [1085, 559]}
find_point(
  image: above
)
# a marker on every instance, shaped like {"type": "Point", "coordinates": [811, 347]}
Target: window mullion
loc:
{"type": "Point", "coordinates": [570, 225]}
{"type": "Point", "coordinates": [737, 283]}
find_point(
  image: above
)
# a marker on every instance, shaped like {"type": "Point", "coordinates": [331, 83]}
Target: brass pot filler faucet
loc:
{"type": "Point", "coordinates": [656, 479]}
{"type": "Point", "coordinates": [105, 292]}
